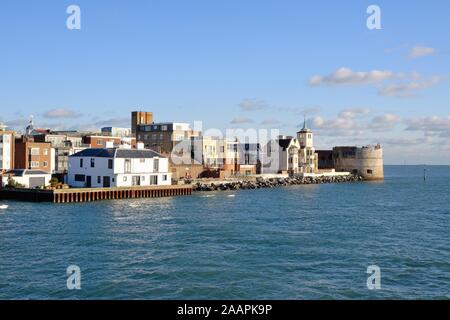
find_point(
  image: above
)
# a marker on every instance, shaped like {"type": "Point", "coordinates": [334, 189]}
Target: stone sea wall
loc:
{"type": "Point", "coordinates": [261, 183]}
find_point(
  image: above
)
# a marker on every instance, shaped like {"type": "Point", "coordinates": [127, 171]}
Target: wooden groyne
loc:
{"type": "Point", "coordinates": [93, 194]}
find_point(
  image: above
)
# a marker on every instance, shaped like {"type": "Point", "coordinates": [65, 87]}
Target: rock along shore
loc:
{"type": "Point", "coordinates": [262, 183]}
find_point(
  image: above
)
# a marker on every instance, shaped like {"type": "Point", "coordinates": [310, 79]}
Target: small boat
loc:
{"type": "Point", "coordinates": [3, 206]}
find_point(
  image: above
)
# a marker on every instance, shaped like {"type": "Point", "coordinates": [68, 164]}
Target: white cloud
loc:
{"type": "Point", "coordinates": [346, 76]}
{"type": "Point", "coordinates": [434, 124]}
{"type": "Point", "coordinates": [420, 51]}
{"type": "Point", "coordinates": [353, 112]}
{"type": "Point", "coordinates": [407, 89]}
{"type": "Point", "coordinates": [241, 120]}
{"type": "Point", "coordinates": [384, 122]}
{"type": "Point", "coordinates": [60, 113]}
{"type": "Point", "coordinates": [252, 104]}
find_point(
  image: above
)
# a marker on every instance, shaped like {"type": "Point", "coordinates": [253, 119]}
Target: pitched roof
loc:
{"type": "Point", "coordinates": [117, 153]}
{"type": "Point", "coordinates": [284, 143]}
{"type": "Point", "coordinates": [96, 153]}
{"type": "Point", "coordinates": [137, 153]}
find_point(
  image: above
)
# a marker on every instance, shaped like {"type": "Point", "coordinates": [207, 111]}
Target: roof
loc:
{"type": "Point", "coordinates": [117, 153]}
{"type": "Point", "coordinates": [96, 153]}
{"type": "Point", "coordinates": [23, 172]}
{"type": "Point", "coordinates": [137, 153]}
{"type": "Point", "coordinates": [305, 127]}
{"type": "Point", "coordinates": [284, 143]}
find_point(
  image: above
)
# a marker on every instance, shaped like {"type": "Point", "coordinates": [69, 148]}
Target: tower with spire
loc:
{"type": "Point", "coordinates": [305, 136]}
{"type": "Point", "coordinates": [307, 153]}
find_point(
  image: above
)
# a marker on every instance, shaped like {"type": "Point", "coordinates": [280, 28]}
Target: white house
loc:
{"type": "Point", "coordinates": [27, 177]}
{"type": "Point", "coordinates": [118, 167]}
{"type": "Point", "coordinates": [282, 156]}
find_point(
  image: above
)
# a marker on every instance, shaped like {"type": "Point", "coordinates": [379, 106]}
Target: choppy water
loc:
{"type": "Point", "coordinates": [302, 242]}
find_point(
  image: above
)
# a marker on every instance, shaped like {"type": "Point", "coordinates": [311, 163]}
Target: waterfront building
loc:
{"type": "Point", "coordinates": [29, 154]}
{"type": "Point", "coordinates": [6, 149]}
{"type": "Point", "coordinates": [98, 141]}
{"type": "Point", "coordinates": [282, 156]}
{"type": "Point", "coordinates": [27, 178]}
{"type": "Point", "coordinates": [308, 159]}
{"type": "Point", "coordinates": [250, 156]}
{"type": "Point", "coordinates": [116, 132]}
{"type": "Point", "coordinates": [140, 118]}
{"type": "Point", "coordinates": [365, 161]}
{"type": "Point", "coordinates": [63, 145]}
{"type": "Point", "coordinates": [228, 157]}
{"type": "Point", "coordinates": [325, 159]}
{"type": "Point", "coordinates": [118, 167]}
{"type": "Point", "coordinates": [163, 137]}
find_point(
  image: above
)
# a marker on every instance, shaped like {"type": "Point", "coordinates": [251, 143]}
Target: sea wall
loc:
{"type": "Point", "coordinates": [261, 183]}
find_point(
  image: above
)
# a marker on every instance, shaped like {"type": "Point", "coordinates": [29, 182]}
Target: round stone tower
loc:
{"type": "Point", "coordinates": [365, 161]}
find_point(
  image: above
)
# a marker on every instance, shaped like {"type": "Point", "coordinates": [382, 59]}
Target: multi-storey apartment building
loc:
{"type": "Point", "coordinates": [32, 155]}
{"type": "Point", "coordinates": [116, 132]}
{"type": "Point", "coordinates": [63, 145]}
{"type": "Point", "coordinates": [6, 150]}
{"type": "Point", "coordinates": [163, 137]}
{"type": "Point", "coordinates": [140, 118]}
{"type": "Point", "coordinates": [97, 141]}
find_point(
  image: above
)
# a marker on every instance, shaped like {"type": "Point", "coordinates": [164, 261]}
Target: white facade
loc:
{"type": "Point", "coordinates": [118, 168]}
{"type": "Point", "coordinates": [117, 132]}
{"type": "Point", "coordinates": [282, 156]}
{"type": "Point", "coordinates": [6, 150]}
{"type": "Point", "coordinates": [27, 178]}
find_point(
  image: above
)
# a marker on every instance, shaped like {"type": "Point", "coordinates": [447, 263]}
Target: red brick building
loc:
{"type": "Point", "coordinates": [32, 155]}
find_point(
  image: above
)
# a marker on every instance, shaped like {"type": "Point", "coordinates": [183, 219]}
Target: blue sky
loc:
{"type": "Point", "coordinates": [249, 64]}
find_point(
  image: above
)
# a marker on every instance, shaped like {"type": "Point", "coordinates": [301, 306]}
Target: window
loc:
{"type": "Point", "coordinates": [100, 142]}
{"type": "Point", "coordinates": [127, 165]}
{"type": "Point", "coordinates": [92, 162]}
{"type": "Point", "coordinates": [143, 178]}
{"type": "Point", "coordinates": [164, 128]}
{"type": "Point", "coordinates": [81, 163]}
{"type": "Point", "coordinates": [369, 171]}
{"type": "Point", "coordinates": [34, 164]}
{"type": "Point", "coordinates": [161, 136]}
{"type": "Point", "coordinates": [110, 163]}
{"type": "Point", "coordinates": [45, 164]}
{"type": "Point", "coordinates": [34, 151]}
{"type": "Point", "coordinates": [155, 165]}
{"type": "Point", "coordinates": [80, 177]}
{"type": "Point", "coordinates": [154, 136]}
{"type": "Point", "coordinates": [45, 152]}
{"type": "Point", "coordinates": [164, 177]}
{"type": "Point", "coordinates": [153, 180]}
{"type": "Point", "coordinates": [99, 179]}
{"type": "Point", "coordinates": [124, 178]}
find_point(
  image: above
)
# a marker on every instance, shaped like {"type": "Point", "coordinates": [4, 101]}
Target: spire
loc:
{"type": "Point", "coordinates": [304, 123]}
